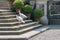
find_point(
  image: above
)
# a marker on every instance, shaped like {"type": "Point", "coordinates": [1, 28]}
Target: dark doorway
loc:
{"type": "Point", "coordinates": [54, 12]}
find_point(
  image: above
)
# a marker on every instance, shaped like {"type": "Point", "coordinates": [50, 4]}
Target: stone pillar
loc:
{"type": "Point", "coordinates": [45, 9]}
{"type": "Point", "coordinates": [44, 19]}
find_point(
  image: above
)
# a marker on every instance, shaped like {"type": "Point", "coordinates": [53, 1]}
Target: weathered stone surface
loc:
{"type": "Point", "coordinates": [52, 34]}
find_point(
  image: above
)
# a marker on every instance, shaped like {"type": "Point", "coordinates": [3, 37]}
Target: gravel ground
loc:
{"type": "Point", "coordinates": [52, 34]}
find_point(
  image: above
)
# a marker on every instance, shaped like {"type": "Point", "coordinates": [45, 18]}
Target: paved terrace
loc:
{"type": "Point", "coordinates": [52, 34]}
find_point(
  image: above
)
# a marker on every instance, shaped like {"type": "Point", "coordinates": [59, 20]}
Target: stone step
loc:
{"type": "Point", "coordinates": [27, 21]}
{"type": "Point", "coordinates": [19, 27]}
{"type": "Point", "coordinates": [4, 8]}
{"type": "Point", "coordinates": [19, 31]}
{"type": "Point", "coordinates": [3, 4]}
{"type": "Point", "coordinates": [8, 20]}
{"type": "Point", "coordinates": [3, 0]}
{"type": "Point", "coordinates": [26, 36]}
{"type": "Point", "coordinates": [7, 16]}
{"type": "Point", "coordinates": [8, 13]}
{"type": "Point", "coordinates": [10, 24]}
{"type": "Point", "coordinates": [1, 10]}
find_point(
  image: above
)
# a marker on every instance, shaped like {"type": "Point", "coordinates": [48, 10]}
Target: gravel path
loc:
{"type": "Point", "coordinates": [51, 34]}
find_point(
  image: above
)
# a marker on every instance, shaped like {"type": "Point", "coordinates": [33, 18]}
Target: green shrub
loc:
{"type": "Point", "coordinates": [18, 4]}
{"type": "Point", "coordinates": [27, 9]}
{"type": "Point", "coordinates": [38, 13]}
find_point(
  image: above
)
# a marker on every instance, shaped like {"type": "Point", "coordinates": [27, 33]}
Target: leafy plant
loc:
{"type": "Point", "coordinates": [27, 9]}
{"type": "Point", "coordinates": [18, 4]}
{"type": "Point", "coordinates": [38, 13]}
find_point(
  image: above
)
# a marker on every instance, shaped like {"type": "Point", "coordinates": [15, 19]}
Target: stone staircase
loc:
{"type": "Point", "coordinates": [10, 26]}
{"type": "Point", "coordinates": [12, 29]}
{"type": "Point", "coordinates": [3, 4]}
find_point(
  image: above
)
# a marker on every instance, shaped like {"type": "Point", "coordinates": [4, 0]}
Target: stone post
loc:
{"type": "Point", "coordinates": [44, 19]}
